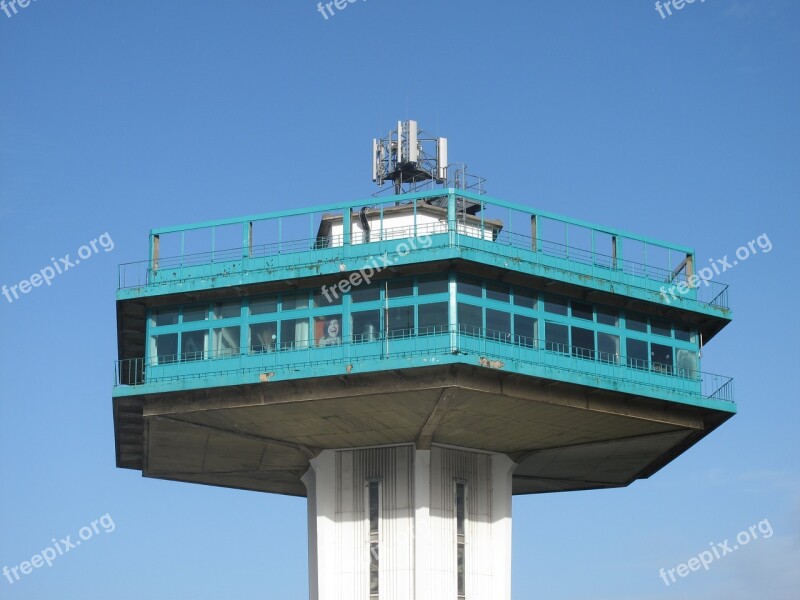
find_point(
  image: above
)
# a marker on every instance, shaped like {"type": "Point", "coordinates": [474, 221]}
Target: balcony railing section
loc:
{"type": "Point", "coordinates": [369, 351]}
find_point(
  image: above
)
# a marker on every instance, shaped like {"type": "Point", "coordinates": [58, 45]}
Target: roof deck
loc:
{"type": "Point", "coordinates": [329, 239]}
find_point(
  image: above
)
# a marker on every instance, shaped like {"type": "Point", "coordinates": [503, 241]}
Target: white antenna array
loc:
{"type": "Point", "coordinates": [408, 155]}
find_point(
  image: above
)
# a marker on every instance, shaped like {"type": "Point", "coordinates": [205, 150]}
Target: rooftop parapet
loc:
{"type": "Point", "coordinates": [341, 237]}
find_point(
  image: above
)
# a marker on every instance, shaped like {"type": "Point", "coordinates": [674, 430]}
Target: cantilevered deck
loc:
{"type": "Point", "coordinates": [499, 301]}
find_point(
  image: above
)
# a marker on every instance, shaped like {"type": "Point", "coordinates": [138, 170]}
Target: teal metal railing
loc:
{"type": "Point", "coordinates": [276, 257]}
{"type": "Point", "coordinates": [426, 346]}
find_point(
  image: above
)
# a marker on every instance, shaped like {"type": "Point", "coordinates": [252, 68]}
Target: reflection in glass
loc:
{"type": "Point", "coordinates": [433, 318]}
{"type": "Point", "coordinates": [636, 323]}
{"type": "Point", "coordinates": [194, 345]}
{"type": "Point", "coordinates": [436, 285]}
{"type": "Point", "coordinates": [263, 306]}
{"type": "Point", "coordinates": [583, 343]}
{"type": "Point", "coordinates": [294, 334]}
{"type": "Point", "coordinates": [263, 337]}
{"type": "Point", "coordinates": [525, 333]}
{"type": "Point", "coordinates": [165, 348]}
{"type": "Point", "coordinates": [556, 337]}
{"type": "Point", "coordinates": [295, 301]}
{"type": "Point", "coordinates": [366, 326]}
{"type": "Point", "coordinates": [470, 319]}
{"type": "Point", "coordinates": [638, 357]}
{"type": "Point", "coordinates": [662, 359]}
{"type": "Point", "coordinates": [227, 310]}
{"type": "Point", "coordinates": [165, 316]}
{"type": "Point", "coordinates": [401, 322]}
{"type": "Point", "coordinates": [195, 313]}
{"type": "Point", "coordinates": [226, 341]}
{"type": "Point", "coordinates": [608, 347]}
{"type": "Point", "coordinates": [470, 286]}
{"type": "Point", "coordinates": [555, 305]}
{"type": "Point", "coordinates": [497, 291]}
{"type": "Point", "coordinates": [498, 325]}
{"type": "Point", "coordinates": [608, 316]}
{"type": "Point", "coordinates": [525, 298]}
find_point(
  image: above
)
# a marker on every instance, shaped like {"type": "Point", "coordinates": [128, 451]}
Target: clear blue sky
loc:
{"type": "Point", "coordinates": [121, 116]}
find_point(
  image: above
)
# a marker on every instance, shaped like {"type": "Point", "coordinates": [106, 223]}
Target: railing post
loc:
{"type": "Point", "coordinates": [247, 239]}
{"type": "Point", "coordinates": [155, 241]}
{"type": "Point", "coordinates": [453, 312]}
{"type": "Point", "coordinates": [347, 214]}
{"type": "Point", "coordinates": [451, 217]}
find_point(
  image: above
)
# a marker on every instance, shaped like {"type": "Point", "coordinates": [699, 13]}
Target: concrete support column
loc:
{"type": "Point", "coordinates": [422, 526]}
{"type": "Point", "coordinates": [417, 533]}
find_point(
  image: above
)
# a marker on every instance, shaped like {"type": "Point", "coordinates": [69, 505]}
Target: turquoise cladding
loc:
{"type": "Point", "coordinates": [453, 338]}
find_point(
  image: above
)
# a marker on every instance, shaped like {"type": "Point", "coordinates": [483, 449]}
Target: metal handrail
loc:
{"type": "Point", "coordinates": [718, 291]}
{"type": "Point", "coordinates": [432, 341]}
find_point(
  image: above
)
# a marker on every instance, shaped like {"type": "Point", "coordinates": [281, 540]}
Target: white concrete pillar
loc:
{"type": "Point", "coordinates": [417, 528]}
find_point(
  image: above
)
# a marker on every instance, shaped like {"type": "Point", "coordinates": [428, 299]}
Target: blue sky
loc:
{"type": "Point", "coordinates": [118, 117]}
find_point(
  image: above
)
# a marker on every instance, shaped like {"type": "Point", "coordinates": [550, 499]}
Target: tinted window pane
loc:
{"type": "Point", "coordinates": [166, 348]}
{"type": "Point", "coordinates": [366, 293]}
{"type": "Point", "coordinates": [435, 285]}
{"type": "Point", "coordinates": [557, 337]}
{"type": "Point", "coordinates": [683, 333]}
{"type": "Point", "coordinates": [263, 337]}
{"type": "Point", "coordinates": [660, 328]}
{"type": "Point", "coordinates": [636, 322]}
{"type": "Point", "coordinates": [583, 343]}
{"type": "Point", "coordinates": [662, 358]}
{"type": "Point", "coordinates": [433, 318]}
{"type": "Point", "coordinates": [263, 306]}
{"type": "Point", "coordinates": [582, 311]}
{"type": "Point", "coordinates": [470, 319]}
{"type": "Point", "coordinates": [608, 316]}
{"type": "Point", "coordinates": [401, 321]}
{"type": "Point", "coordinates": [524, 298]}
{"type": "Point", "coordinates": [294, 301]}
{"type": "Point", "coordinates": [525, 331]}
{"type": "Point", "coordinates": [686, 363]}
{"type": "Point", "coordinates": [226, 342]}
{"type": "Point", "coordinates": [227, 310]}
{"type": "Point", "coordinates": [194, 345]}
{"type": "Point", "coordinates": [330, 296]}
{"type": "Point", "coordinates": [608, 347]}
{"type": "Point", "coordinates": [469, 286]}
{"type": "Point", "coordinates": [294, 334]}
{"type": "Point", "coordinates": [638, 356]}
{"type": "Point", "coordinates": [367, 326]}
{"type": "Point", "coordinates": [400, 289]}
{"type": "Point", "coordinates": [555, 305]}
{"type": "Point", "coordinates": [498, 325]}
{"type": "Point", "coordinates": [497, 291]}
{"type": "Point", "coordinates": [166, 316]}
{"type": "Point", "coordinates": [195, 313]}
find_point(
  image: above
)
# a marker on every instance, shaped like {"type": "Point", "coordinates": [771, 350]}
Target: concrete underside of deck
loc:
{"type": "Point", "coordinates": [261, 437]}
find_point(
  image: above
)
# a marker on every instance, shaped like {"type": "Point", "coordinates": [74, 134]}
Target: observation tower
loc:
{"type": "Point", "coordinates": [410, 361]}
